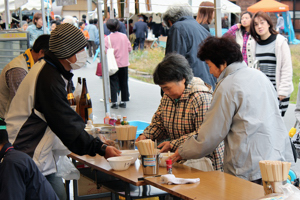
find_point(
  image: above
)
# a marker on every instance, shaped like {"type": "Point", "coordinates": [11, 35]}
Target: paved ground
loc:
{"type": "Point", "coordinates": [144, 100]}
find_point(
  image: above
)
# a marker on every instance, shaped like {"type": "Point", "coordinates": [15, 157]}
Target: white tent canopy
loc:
{"type": "Point", "coordinates": [159, 6]}
{"type": "Point", "coordinates": [30, 5]}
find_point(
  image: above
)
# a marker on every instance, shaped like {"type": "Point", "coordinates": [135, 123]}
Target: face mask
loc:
{"type": "Point", "coordinates": [80, 62]}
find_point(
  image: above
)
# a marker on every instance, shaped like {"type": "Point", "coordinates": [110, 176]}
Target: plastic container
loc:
{"type": "Point", "coordinates": [169, 166]}
{"type": "Point", "coordinates": [140, 126]}
{"type": "Point", "coordinates": [118, 122]}
{"type": "Point", "coordinates": [106, 118]}
{"type": "Point", "coordinates": [90, 128]}
{"type": "Point", "coordinates": [112, 120]}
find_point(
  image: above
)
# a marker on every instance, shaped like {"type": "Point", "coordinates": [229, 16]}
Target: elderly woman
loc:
{"type": "Point", "coordinates": [185, 35]}
{"type": "Point", "coordinates": [243, 113]}
{"type": "Point", "coordinates": [24, 25]}
{"type": "Point", "coordinates": [182, 107]}
{"type": "Point", "coordinates": [36, 29]}
{"type": "Point", "coordinates": [121, 45]}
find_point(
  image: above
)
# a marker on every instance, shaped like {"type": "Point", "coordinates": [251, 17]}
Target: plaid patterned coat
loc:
{"type": "Point", "coordinates": [179, 120]}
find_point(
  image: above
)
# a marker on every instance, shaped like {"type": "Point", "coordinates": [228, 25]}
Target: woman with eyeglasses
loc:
{"type": "Point", "coordinates": [273, 53]}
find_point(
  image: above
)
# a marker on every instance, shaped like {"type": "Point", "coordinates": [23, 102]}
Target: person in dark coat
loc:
{"type": "Point", "coordinates": [20, 178]}
{"type": "Point", "coordinates": [141, 32]}
{"type": "Point", "coordinates": [164, 30]}
{"type": "Point", "coordinates": [185, 35]}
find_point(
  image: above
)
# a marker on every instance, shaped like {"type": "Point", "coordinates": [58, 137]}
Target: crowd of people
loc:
{"type": "Point", "coordinates": [223, 99]}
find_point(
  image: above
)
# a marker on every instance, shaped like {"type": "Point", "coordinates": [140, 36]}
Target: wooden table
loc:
{"type": "Point", "coordinates": [129, 176]}
{"type": "Point", "coordinates": [213, 185]}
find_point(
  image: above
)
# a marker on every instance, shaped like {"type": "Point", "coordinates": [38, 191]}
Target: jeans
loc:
{"type": "Point", "coordinates": [139, 41]}
{"type": "Point", "coordinates": [57, 185]}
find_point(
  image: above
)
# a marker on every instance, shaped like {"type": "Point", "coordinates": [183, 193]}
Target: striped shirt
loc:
{"type": "Point", "coordinates": [265, 53]}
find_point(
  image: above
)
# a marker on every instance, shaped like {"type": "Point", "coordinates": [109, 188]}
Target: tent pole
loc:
{"type": "Point", "coordinates": [218, 27]}
{"type": "Point", "coordinates": [7, 12]}
{"type": "Point", "coordinates": [111, 11]}
{"type": "Point", "coordinates": [20, 15]}
{"type": "Point", "coordinates": [43, 16]}
{"type": "Point", "coordinates": [294, 12]}
{"type": "Point", "coordinates": [105, 76]}
{"type": "Point", "coordinates": [89, 9]}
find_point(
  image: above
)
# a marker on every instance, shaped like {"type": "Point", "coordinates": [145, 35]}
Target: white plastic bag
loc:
{"type": "Point", "coordinates": [290, 192]}
{"type": "Point", "coordinates": [111, 60]}
{"type": "Point", "coordinates": [66, 169]}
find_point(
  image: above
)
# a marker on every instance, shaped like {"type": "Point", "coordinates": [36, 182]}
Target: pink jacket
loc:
{"type": "Point", "coordinates": [122, 47]}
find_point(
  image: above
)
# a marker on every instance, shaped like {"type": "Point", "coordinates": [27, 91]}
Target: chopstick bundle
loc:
{"type": "Point", "coordinates": [274, 170]}
{"type": "Point", "coordinates": [146, 147]}
{"type": "Point", "coordinates": [126, 132]}
{"type": "Point", "coordinates": [132, 132]}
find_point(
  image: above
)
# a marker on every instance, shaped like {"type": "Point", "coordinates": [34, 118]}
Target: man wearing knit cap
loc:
{"type": "Point", "coordinates": [40, 121]}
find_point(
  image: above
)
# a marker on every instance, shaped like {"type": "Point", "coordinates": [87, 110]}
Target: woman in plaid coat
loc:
{"type": "Point", "coordinates": [182, 107]}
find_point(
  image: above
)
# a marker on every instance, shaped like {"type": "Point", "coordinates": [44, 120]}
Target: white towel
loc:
{"type": "Point", "coordinates": [171, 179]}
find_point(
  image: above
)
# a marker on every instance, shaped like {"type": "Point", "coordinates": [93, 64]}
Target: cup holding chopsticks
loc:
{"type": "Point", "coordinates": [126, 136]}
{"type": "Point", "coordinates": [149, 156]}
{"type": "Point", "coordinates": [274, 174]}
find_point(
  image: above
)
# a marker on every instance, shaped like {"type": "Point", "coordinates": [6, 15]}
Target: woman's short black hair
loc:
{"type": "Point", "coordinates": [41, 43]}
{"type": "Point", "coordinates": [220, 50]}
{"type": "Point", "coordinates": [113, 25]}
{"type": "Point", "coordinates": [173, 68]}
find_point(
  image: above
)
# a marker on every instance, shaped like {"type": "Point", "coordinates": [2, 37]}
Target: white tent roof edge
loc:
{"type": "Point", "coordinates": [30, 5]}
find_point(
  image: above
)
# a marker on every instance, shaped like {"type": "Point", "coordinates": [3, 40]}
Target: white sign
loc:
{"type": "Point", "coordinates": [20, 3]}
{"type": "Point", "coordinates": [65, 2]}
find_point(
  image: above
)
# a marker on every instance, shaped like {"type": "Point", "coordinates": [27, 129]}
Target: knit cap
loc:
{"type": "Point", "coordinates": [66, 40]}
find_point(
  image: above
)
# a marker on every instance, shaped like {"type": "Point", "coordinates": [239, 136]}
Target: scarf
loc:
{"type": "Point", "coordinates": [29, 59]}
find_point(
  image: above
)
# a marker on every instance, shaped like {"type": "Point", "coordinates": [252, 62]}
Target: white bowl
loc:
{"type": "Point", "coordinates": [120, 163]}
{"type": "Point", "coordinates": [163, 158]}
{"type": "Point", "coordinates": [133, 153]}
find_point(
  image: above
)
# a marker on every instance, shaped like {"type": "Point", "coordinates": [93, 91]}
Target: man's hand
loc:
{"type": "Point", "coordinates": [165, 147]}
{"type": "Point", "coordinates": [175, 157]}
{"type": "Point", "coordinates": [111, 152]}
{"type": "Point", "coordinates": [281, 97]}
{"type": "Point", "coordinates": [141, 137]}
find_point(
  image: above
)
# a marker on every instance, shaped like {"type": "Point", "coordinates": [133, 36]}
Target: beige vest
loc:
{"type": "Point", "coordinates": [5, 98]}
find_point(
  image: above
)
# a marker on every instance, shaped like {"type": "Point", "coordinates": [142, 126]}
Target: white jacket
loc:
{"type": "Point", "coordinates": [284, 68]}
{"type": "Point", "coordinates": [239, 39]}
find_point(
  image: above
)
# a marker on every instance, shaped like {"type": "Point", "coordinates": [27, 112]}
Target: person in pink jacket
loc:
{"type": "Point", "coordinates": [122, 47]}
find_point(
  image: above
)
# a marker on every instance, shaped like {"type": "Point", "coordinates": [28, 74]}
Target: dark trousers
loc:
{"type": "Point", "coordinates": [139, 41]}
{"type": "Point", "coordinates": [119, 81]}
{"type": "Point", "coordinates": [91, 44]}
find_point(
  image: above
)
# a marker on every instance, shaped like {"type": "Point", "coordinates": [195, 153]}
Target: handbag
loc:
{"type": "Point", "coordinates": [99, 69]}
{"type": "Point", "coordinates": [111, 60]}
